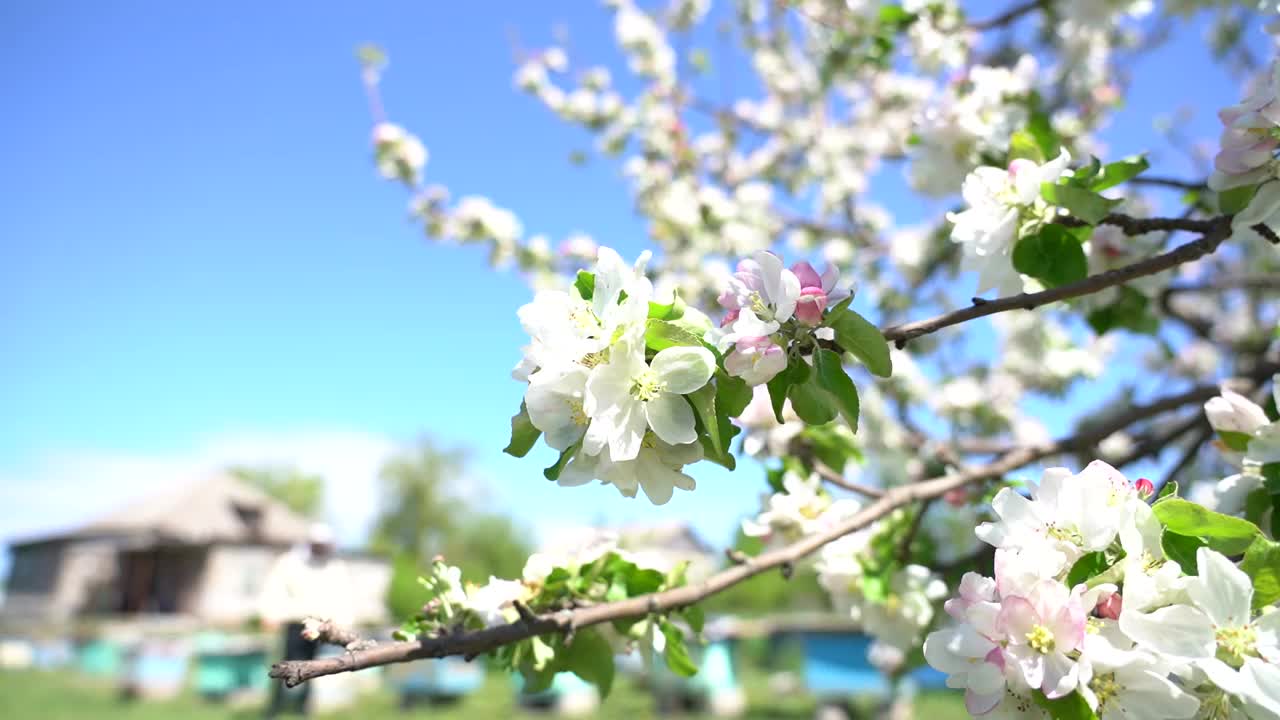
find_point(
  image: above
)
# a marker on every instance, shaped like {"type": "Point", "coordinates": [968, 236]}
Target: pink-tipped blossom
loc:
{"type": "Point", "coordinates": [1041, 629]}
{"type": "Point", "coordinates": [756, 360]}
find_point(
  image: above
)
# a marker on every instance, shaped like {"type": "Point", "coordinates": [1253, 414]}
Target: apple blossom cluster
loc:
{"type": "Point", "coordinates": [607, 387]}
{"type": "Point", "coordinates": [1246, 162]}
{"type": "Point", "coordinates": [769, 309]}
{"type": "Point", "coordinates": [1127, 609]}
{"type": "Point", "coordinates": [630, 389]}
{"type": "Point", "coordinates": [1004, 206]}
{"type": "Point", "coordinates": [1249, 439]}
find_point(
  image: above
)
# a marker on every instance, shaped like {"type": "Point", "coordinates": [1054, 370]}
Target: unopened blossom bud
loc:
{"type": "Point", "coordinates": [1109, 607]}
{"type": "Point", "coordinates": [1233, 412]}
{"type": "Point", "coordinates": [756, 360]}
{"type": "Point", "coordinates": [1144, 487]}
{"type": "Point", "coordinates": [808, 276]}
{"type": "Point", "coordinates": [810, 306]}
{"type": "Point", "coordinates": [956, 497]}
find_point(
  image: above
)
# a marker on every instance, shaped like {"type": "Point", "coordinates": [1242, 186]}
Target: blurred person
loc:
{"type": "Point", "coordinates": [309, 581]}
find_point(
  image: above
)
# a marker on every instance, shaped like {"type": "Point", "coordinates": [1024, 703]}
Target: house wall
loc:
{"type": "Point", "coordinates": [232, 583]}
{"type": "Point", "coordinates": [56, 580]}
{"type": "Point", "coordinates": [235, 574]}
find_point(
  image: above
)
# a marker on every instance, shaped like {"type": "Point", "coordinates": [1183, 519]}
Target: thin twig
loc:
{"type": "Point", "coordinates": [1009, 16]}
{"type": "Point", "coordinates": [1215, 231]}
{"type": "Point", "coordinates": [828, 474]}
{"type": "Point", "coordinates": [1168, 182]}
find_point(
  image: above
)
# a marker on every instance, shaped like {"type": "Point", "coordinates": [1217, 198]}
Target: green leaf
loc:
{"type": "Point", "coordinates": [1181, 549]}
{"type": "Point", "coordinates": [895, 15]}
{"type": "Point", "coordinates": [1088, 566]}
{"type": "Point", "coordinates": [1120, 171]}
{"type": "Point", "coordinates": [590, 657]}
{"type": "Point", "coordinates": [586, 284]}
{"type": "Point", "coordinates": [1256, 504]}
{"type": "Point", "coordinates": [1130, 311]}
{"type": "Point", "coordinates": [523, 434]}
{"type": "Point", "coordinates": [1052, 256]}
{"type": "Point", "coordinates": [673, 310]}
{"type": "Point", "coordinates": [662, 334]}
{"type": "Point", "coordinates": [813, 404]}
{"type": "Point", "coordinates": [855, 334]}
{"type": "Point", "coordinates": [1236, 199]}
{"type": "Point", "coordinates": [553, 472]}
{"type": "Point", "coordinates": [780, 386]}
{"type": "Point", "coordinates": [1041, 131]}
{"type": "Point", "coordinates": [676, 653]}
{"type": "Point", "coordinates": [1262, 564]}
{"type": "Point", "coordinates": [716, 430]}
{"type": "Point", "coordinates": [1069, 707]}
{"type": "Point", "coordinates": [1224, 533]}
{"type": "Point", "coordinates": [732, 394]}
{"type": "Point", "coordinates": [1170, 490]}
{"type": "Point", "coordinates": [1023, 145]}
{"type": "Point", "coordinates": [1081, 177]}
{"type": "Point", "coordinates": [832, 378]}
{"type": "Point", "coordinates": [1237, 441]}
{"type": "Point", "coordinates": [644, 581]}
{"type": "Point", "coordinates": [1084, 204]}
{"type": "Point", "coordinates": [695, 617]}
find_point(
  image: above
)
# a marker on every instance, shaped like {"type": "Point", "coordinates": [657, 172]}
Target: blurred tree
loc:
{"type": "Point", "coordinates": [420, 518]}
{"type": "Point", "coordinates": [302, 492]}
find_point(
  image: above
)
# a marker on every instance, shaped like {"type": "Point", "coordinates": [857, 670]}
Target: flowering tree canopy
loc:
{"type": "Point", "coordinates": [893, 428]}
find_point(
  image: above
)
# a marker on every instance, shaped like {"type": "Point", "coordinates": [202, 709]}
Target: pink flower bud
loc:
{"type": "Point", "coordinates": [956, 497]}
{"type": "Point", "coordinates": [1109, 607]}
{"type": "Point", "coordinates": [1144, 487]}
{"type": "Point", "coordinates": [810, 306]}
{"type": "Point", "coordinates": [809, 278]}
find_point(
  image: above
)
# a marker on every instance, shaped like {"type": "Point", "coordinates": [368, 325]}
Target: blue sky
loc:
{"type": "Point", "coordinates": [198, 264]}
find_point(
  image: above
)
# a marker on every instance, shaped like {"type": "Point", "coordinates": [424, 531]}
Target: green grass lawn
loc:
{"type": "Point", "coordinates": [45, 695]}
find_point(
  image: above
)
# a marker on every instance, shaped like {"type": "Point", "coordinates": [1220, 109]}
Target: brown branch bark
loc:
{"type": "Point", "coordinates": [1215, 231]}
{"type": "Point", "coordinates": [471, 644]}
{"type": "Point", "coordinates": [326, 631]}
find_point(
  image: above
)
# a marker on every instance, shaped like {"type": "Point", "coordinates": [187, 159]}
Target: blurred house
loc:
{"type": "Point", "coordinates": [199, 552]}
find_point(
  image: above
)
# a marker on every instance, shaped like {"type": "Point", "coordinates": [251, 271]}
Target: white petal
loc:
{"type": "Point", "coordinates": [628, 433]}
{"type": "Point", "coordinates": [1222, 590]}
{"type": "Point", "coordinates": [671, 418]}
{"type": "Point", "coordinates": [684, 369]}
{"type": "Point", "coordinates": [1178, 630]}
{"type": "Point", "coordinates": [788, 296]}
{"type": "Point", "coordinates": [657, 480]}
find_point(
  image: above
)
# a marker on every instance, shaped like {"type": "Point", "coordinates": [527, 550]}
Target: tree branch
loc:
{"type": "Point", "coordinates": [471, 644]}
{"type": "Point", "coordinates": [1010, 16]}
{"type": "Point", "coordinates": [830, 475]}
{"type": "Point", "coordinates": [1215, 231]}
{"type": "Point", "coordinates": [326, 631]}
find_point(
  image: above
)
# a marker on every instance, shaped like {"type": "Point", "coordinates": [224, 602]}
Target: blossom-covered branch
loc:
{"type": "Point", "coordinates": [474, 643]}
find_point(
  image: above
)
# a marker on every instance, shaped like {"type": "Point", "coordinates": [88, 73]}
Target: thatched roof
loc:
{"type": "Point", "coordinates": [219, 509]}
